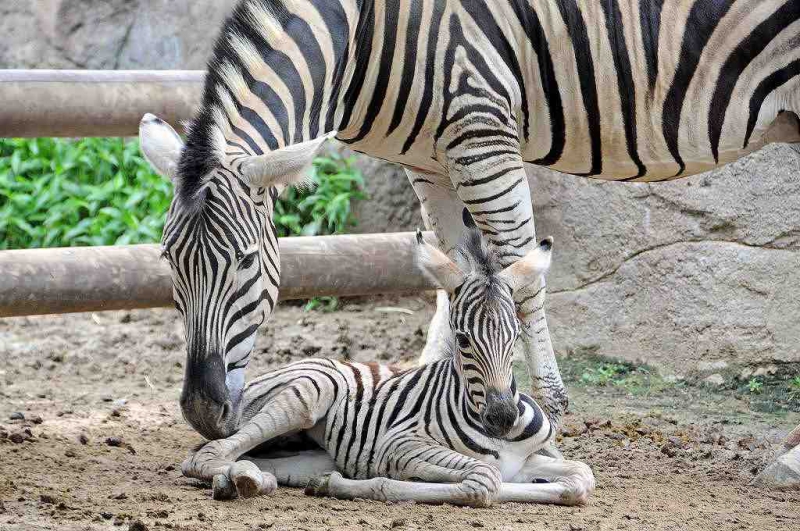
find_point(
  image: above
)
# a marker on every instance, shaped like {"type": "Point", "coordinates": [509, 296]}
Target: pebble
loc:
{"type": "Point", "coordinates": [17, 415]}
{"type": "Point", "coordinates": [398, 522]}
{"type": "Point", "coordinates": [36, 419]}
{"type": "Point", "coordinates": [48, 499]}
{"type": "Point", "coordinates": [669, 450]}
{"type": "Point", "coordinates": [137, 525]}
{"type": "Point", "coordinates": [83, 439]}
{"type": "Point", "coordinates": [17, 438]}
{"type": "Point", "coordinates": [114, 441]}
{"type": "Point", "coordinates": [70, 453]}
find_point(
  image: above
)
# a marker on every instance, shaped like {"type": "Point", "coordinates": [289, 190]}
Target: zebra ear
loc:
{"type": "Point", "coordinates": [438, 266]}
{"type": "Point", "coordinates": [530, 267]}
{"type": "Point", "coordinates": [160, 145]}
{"type": "Point", "coordinates": [288, 165]}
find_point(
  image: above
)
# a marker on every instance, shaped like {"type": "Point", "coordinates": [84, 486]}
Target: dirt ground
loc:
{"type": "Point", "coordinates": [102, 438]}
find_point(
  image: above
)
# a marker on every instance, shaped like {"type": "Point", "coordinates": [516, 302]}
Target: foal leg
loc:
{"type": "Point", "coordinates": [439, 475]}
{"type": "Point", "coordinates": [284, 413]}
{"type": "Point", "coordinates": [495, 190]}
{"type": "Point", "coordinates": [441, 211]}
{"type": "Point", "coordinates": [567, 482]}
{"type": "Point", "coordinates": [297, 470]}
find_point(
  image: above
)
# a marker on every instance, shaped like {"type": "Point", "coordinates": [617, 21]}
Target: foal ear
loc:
{"type": "Point", "coordinates": [530, 267]}
{"type": "Point", "coordinates": [437, 266]}
{"type": "Point", "coordinates": [288, 165]}
{"type": "Point", "coordinates": [160, 145]}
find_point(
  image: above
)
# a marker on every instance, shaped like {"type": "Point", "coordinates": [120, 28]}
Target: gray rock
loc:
{"type": "Point", "coordinates": [783, 474]}
{"type": "Point", "coordinates": [715, 379]}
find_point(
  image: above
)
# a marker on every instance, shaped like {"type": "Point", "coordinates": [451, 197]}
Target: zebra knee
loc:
{"type": "Point", "coordinates": [481, 485]}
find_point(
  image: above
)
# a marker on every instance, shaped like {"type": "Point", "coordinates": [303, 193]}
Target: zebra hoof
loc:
{"type": "Point", "coordinates": [319, 486]}
{"type": "Point", "coordinates": [222, 488]}
{"type": "Point", "coordinates": [250, 481]}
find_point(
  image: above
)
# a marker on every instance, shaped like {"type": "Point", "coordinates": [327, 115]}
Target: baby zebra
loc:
{"type": "Point", "coordinates": [455, 431]}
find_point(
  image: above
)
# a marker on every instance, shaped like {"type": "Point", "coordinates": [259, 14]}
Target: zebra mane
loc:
{"type": "Point", "coordinates": [202, 153]}
{"type": "Point", "coordinates": [474, 254]}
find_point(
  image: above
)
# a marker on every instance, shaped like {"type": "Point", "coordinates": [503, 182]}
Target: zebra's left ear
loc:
{"type": "Point", "coordinates": [530, 267]}
{"type": "Point", "coordinates": [438, 266]}
{"type": "Point", "coordinates": [288, 165]}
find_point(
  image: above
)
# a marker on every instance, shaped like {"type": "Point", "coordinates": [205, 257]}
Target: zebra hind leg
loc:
{"type": "Point", "coordinates": [441, 211]}
{"type": "Point", "coordinates": [464, 481]}
{"type": "Point", "coordinates": [218, 462]}
{"type": "Point", "coordinates": [547, 480]}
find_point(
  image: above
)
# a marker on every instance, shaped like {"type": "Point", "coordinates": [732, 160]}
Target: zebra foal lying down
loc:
{"type": "Point", "coordinates": [454, 431]}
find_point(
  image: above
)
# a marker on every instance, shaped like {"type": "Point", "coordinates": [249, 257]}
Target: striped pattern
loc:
{"type": "Point", "coordinates": [375, 419]}
{"type": "Point", "coordinates": [462, 93]}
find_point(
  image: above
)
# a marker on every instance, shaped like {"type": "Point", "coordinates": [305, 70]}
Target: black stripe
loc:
{"type": "Point", "coordinates": [625, 84]}
{"type": "Point", "coordinates": [650, 21]}
{"type": "Point", "coordinates": [703, 20]}
{"type": "Point", "coordinates": [409, 65]}
{"type": "Point", "coordinates": [529, 21]}
{"type": "Point", "coordinates": [363, 56]}
{"type": "Point", "coordinates": [747, 50]}
{"type": "Point", "coordinates": [381, 83]}
{"type": "Point", "coordinates": [430, 70]}
{"type": "Point", "coordinates": [576, 27]}
{"type": "Point", "coordinates": [764, 89]}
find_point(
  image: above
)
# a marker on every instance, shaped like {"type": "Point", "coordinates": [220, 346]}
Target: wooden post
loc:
{"type": "Point", "coordinates": [82, 279]}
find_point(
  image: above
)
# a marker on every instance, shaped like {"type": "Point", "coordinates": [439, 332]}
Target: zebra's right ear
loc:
{"type": "Point", "coordinates": [288, 165]}
{"type": "Point", "coordinates": [438, 266]}
{"type": "Point", "coordinates": [160, 145]}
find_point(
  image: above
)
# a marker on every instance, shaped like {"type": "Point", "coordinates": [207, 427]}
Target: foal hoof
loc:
{"type": "Point", "coordinates": [319, 486]}
{"type": "Point", "coordinates": [222, 488]}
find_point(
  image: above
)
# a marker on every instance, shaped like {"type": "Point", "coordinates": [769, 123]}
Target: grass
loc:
{"type": "Point", "coordinates": [101, 191]}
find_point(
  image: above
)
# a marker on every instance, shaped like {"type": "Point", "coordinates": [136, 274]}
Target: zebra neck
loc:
{"type": "Point", "coordinates": [282, 73]}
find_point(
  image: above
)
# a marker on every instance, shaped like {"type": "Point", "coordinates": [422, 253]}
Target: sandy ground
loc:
{"type": "Point", "coordinates": [102, 438]}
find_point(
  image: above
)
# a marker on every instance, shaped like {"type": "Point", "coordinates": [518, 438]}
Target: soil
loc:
{"type": "Point", "coordinates": [102, 438]}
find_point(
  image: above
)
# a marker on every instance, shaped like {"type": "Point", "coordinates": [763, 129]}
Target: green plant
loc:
{"type": "Point", "coordinates": [101, 191]}
{"type": "Point", "coordinates": [794, 388]}
{"type": "Point", "coordinates": [327, 207]}
{"type": "Point", "coordinates": [324, 304]}
{"type": "Point", "coordinates": [93, 191]}
{"type": "Point", "coordinates": [607, 373]}
{"type": "Point", "coordinates": [755, 386]}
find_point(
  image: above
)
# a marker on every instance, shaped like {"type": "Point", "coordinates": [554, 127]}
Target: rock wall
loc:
{"type": "Point", "coordinates": [688, 275]}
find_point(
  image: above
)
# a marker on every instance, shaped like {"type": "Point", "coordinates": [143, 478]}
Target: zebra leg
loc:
{"type": "Point", "coordinates": [547, 480]}
{"type": "Point", "coordinates": [495, 190]}
{"type": "Point", "coordinates": [464, 481]}
{"type": "Point", "coordinates": [441, 211]}
{"type": "Point", "coordinates": [286, 412]}
{"type": "Point", "coordinates": [297, 470]}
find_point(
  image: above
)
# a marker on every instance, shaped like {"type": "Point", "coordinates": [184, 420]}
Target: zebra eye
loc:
{"type": "Point", "coordinates": [247, 261]}
{"type": "Point", "coordinates": [462, 340]}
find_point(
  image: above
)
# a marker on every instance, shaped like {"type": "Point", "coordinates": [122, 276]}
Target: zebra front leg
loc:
{"type": "Point", "coordinates": [217, 461]}
{"type": "Point", "coordinates": [441, 212]}
{"type": "Point", "coordinates": [495, 190]}
{"type": "Point", "coordinates": [547, 480]}
{"type": "Point", "coordinates": [464, 481]}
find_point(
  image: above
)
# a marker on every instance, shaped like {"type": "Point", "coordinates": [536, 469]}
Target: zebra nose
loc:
{"type": "Point", "coordinates": [500, 413]}
{"type": "Point", "coordinates": [205, 400]}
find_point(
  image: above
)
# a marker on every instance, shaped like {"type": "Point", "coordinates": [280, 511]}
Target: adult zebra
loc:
{"type": "Point", "coordinates": [462, 93]}
{"type": "Point", "coordinates": [456, 430]}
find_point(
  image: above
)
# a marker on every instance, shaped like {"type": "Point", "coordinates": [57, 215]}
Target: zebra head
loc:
{"type": "Point", "coordinates": [484, 320]}
{"type": "Point", "coordinates": [223, 253]}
